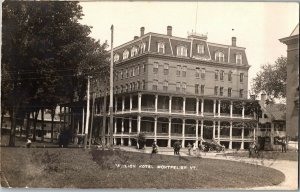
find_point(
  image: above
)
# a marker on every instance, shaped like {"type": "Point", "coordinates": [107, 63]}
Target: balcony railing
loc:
{"type": "Point", "coordinates": [162, 134]}
{"type": "Point", "coordinates": [176, 134]}
{"type": "Point", "coordinates": [225, 114]}
{"type": "Point", "coordinates": [177, 111]}
{"type": "Point", "coordinates": [163, 110]}
{"type": "Point", "coordinates": [190, 135]}
{"type": "Point", "coordinates": [208, 114]}
{"type": "Point", "coordinates": [148, 109]}
{"type": "Point", "coordinates": [190, 112]}
{"type": "Point", "coordinates": [236, 115]}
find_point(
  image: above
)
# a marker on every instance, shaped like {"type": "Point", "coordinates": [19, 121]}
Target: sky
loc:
{"type": "Point", "coordinates": [257, 25]}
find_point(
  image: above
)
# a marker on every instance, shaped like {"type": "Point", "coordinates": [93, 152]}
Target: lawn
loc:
{"type": "Point", "coordinates": [76, 168]}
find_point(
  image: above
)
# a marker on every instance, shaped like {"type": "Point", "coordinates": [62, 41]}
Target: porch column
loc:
{"type": "Point", "coordinates": [130, 103]}
{"type": "Point", "coordinates": [123, 104]}
{"type": "Point", "coordinates": [155, 128]}
{"type": "Point", "coordinates": [231, 109]}
{"type": "Point", "coordinates": [139, 102]}
{"type": "Point", "coordinates": [243, 111]}
{"type": "Point", "coordinates": [201, 131]}
{"type": "Point", "coordinates": [138, 124]}
{"type": "Point", "coordinates": [219, 108]}
{"type": "Point", "coordinates": [169, 133]}
{"type": "Point", "coordinates": [170, 104]}
{"type": "Point", "coordinates": [183, 130]}
{"type": "Point", "coordinates": [115, 126]}
{"type": "Point", "coordinates": [122, 128]}
{"type": "Point", "coordinates": [156, 99]}
{"type": "Point", "coordinates": [83, 123]}
{"type": "Point", "coordinates": [183, 105]}
{"type": "Point", "coordinates": [116, 104]}
{"type": "Point", "coordinates": [197, 106]}
{"type": "Point", "coordinates": [197, 125]}
{"type": "Point", "coordinates": [219, 130]}
{"type": "Point", "coordinates": [214, 129]}
{"type": "Point", "coordinates": [202, 106]}
{"type": "Point", "coordinates": [130, 128]}
{"type": "Point", "coordinates": [230, 136]}
{"type": "Point", "coordinates": [214, 108]}
{"type": "Point", "coordinates": [242, 144]}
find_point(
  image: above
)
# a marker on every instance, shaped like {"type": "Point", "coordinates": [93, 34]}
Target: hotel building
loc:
{"type": "Point", "coordinates": [174, 88]}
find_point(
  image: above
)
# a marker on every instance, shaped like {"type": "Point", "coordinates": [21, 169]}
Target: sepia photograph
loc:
{"type": "Point", "coordinates": [149, 95]}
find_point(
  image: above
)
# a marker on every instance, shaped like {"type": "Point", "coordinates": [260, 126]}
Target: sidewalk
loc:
{"type": "Point", "coordinates": [288, 168]}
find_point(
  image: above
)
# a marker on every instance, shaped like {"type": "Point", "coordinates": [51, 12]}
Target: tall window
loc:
{"type": "Point", "coordinates": [197, 72]}
{"type": "Point", "coordinates": [181, 51]}
{"type": "Point", "coordinates": [166, 69]}
{"type": "Point", "coordinates": [229, 92]}
{"type": "Point", "coordinates": [133, 71]}
{"type": "Point", "coordinates": [165, 86]}
{"type": "Point", "coordinates": [130, 72]}
{"type": "Point", "coordinates": [221, 75]}
{"type": "Point", "coordinates": [155, 67]}
{"type": "Point", "coordinates": [137, 70]}
{"type": "Point", "coordinates": [200, 48]}
{"type": "Point", "coordinates": [161, 47]}
{"type": "Point", "coordinates": [122, 88]}
{"type": "Point", "coordinates": [143, 69]}
{"type": "Point", "coordinates": [126, 88]}
{"type": "Point", "coordinates": [125, 54]}
{"type": "Point", "coordinates": [238, 58]}
{"type": "Point", "coordinates": [155, 84]}
{"type": "Point", "coordinates": [143, 85]}
{"type": "Point", "coordinates": [177, 87]}
{"type": "Point", "coordinates": [183, 87]}
{"type": "Point", "coordinates": [203, 73]}
{"type": "Point", "coordinates": [138, 85]}
{"type": "Point", "coordinates": [130, 87]}
{"type": "Point", "coordinates": [230, 76]}
{"type": "Point", "coordinates": [126, 73]}
{"type": "Point", "coordinates": [178, 71]}
{"type": "Point", "coordinates": [196, 88]}
{"type": "Point", "coordinates": [241, 77]}
{"type": "Point", "coordinates": [217, 75]}
{"type": "Point", "coordinates": [133, 86]}
{"type": "Point", "coordinates": [121, 74]}
{"type": "Point", "coordinates": [216, 90]}
{"type": "Point", "coordinates": [184, 69]}
{"type": "Point", "coordinates": [134, 51]}
{"type": "Point", "coordinates": [241, 93]}
{"type": "Point", "coordinates": [219, 56]}
{"type": "Point", "coordinates": [116, 58]}
{"type": "Point", "coordinates": [142, 47]}
{"type": "Point", "coordinates": [202, 89]}
{"type": "Point", "coordinates": [221, 91]}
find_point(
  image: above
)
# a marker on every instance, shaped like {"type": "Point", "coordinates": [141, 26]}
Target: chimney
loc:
{"type": "Point", "coordinates": [142, 31]}
{"type": "Point", "coordinates": [136, 37]}
{"type": "Point", "coordinates": [233, 41]}
{"type": "Point", "coordinates": [169, 30]}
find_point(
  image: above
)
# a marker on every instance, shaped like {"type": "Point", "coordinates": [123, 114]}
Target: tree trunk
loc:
{"type": "Point", "coordinates": [12, 129]}
{"type": "Point", "coordinates": [52, 123]}
{"type": "Point", "coordinates": [28, 125]}
{"type": "Point", "coordinates": [34, 125]}
{"type": "Point", "coordinates": [104, 120]}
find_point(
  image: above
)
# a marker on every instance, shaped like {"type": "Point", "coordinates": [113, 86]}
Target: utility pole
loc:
{"type": "Point", "coordinates": [87, 113]}
{"type": "Point", "coordinates": [111, 89]}
{"type": "Point", "coordinates": [92, 119]}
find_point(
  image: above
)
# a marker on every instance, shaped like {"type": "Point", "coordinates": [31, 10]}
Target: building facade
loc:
{"type": "Point", "coordinates": [292, 84]}
{"type": "Point", "coordinates": [173, 88]}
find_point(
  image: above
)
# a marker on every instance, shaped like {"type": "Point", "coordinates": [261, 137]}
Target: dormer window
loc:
{"type": "Point", "coordinates": [238, 58]}
{"type": "Point", "coordinates": [134, 51]}
{"type": "Point", "coordinates": [181, 51]}
{"type": "Point", "coordinates": [161, 48]}
{"type": "Point", "coordinates": [200, 48]}
{"type": "Point", "coordinates": [142, 47]}
{"type": "Point", "coordinates": [116, 58]}
{"type": "Point", "coordinates": [125, 54]}
{"type": "Point", "coordinates": [219, 56]}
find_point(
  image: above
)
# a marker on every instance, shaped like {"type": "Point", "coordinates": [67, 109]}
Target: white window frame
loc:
{"type": "Point", "coordinates": [238, 59]}
{"type": "Point", "coordinates": [184, 87]}
{"type": "Point", "coordinates": [166, 69]}
{"type": "Point", "coordinates": [178, 85]}
{"type": "Point", "coordinates": [184, 70]}
{"type": "Point", "coordinates": [182, 51]}
{"type": "Point", "coordinates": [203, 73]}
{"type": "Point", "coordinates": [125, 54]}
{"type": "Point", "coordinates": [219, 56]}
{"type": "Point", "coordinates": [178, 70]}
{"type": "Point", "coordinates": [200, 48]}
{"type": "Point", "coordinates": [155, 85]}
{"type": "Point", "coordinates": [165, 86]}
{"type": "Point", "coordinates": [116, 57]}
{"type": "Point", "coordinates": [142, 47]}
{"type": "Point", "coordinates": [161, 45]}
{"type": "Point", "coordinates": [242, 77]}
{"type": "Point", "coordinates": [134, 51]}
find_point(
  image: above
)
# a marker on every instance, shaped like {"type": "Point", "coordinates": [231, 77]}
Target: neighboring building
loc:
{"type": "Point", "coordinates": [272, 124]}
{"type": "Point", "coordinates": [174, 88]}
{"type": "Point", "coordinates": [292, 87]}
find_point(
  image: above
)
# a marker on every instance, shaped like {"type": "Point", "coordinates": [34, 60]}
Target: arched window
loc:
{"type": "Point", "coordinates": [125, 54]}
{"type": "Point", "coordinates": [134, 51]}
{"type": "Point", "coordinates": [161, 48]}
{"type": "Point", "coordinates": [219, 56]}
{"type": "Point", "coordinates": [238, 58]}
{"type": "Point", "coordinates": [181, 51]}
{"type": "Point", "coordinates": [116, 58]}
{"type": "Point", "coordinates": [142, 47]}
